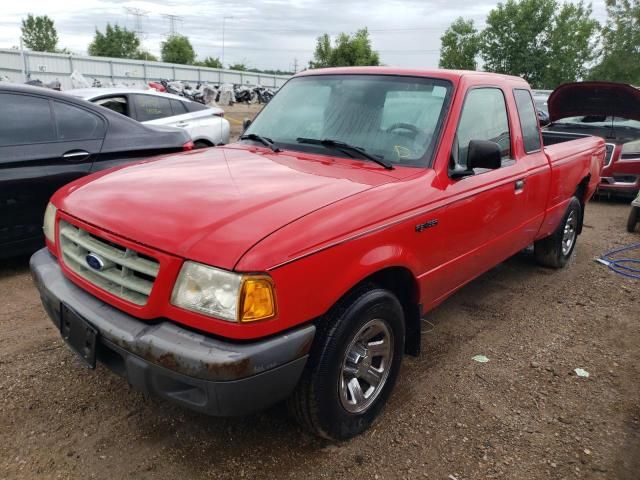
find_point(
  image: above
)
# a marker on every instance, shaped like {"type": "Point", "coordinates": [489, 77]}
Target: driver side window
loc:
{"type": "Point", "coordinates": [484, 117]}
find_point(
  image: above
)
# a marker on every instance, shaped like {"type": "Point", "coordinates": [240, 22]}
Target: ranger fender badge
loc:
{"type": "Point", "coordinates": [423, 226]}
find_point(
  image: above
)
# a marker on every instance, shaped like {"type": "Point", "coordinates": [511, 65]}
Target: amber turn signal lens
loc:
{"type": "Point", "coordinates": [257, 299]}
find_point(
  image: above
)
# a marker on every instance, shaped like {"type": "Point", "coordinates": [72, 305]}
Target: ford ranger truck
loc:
{"type": "Point", "coordinates": [297, 263]}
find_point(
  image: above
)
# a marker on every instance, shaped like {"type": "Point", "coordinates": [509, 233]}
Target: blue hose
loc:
{"type": "Point", "coordinates": [628, 267]}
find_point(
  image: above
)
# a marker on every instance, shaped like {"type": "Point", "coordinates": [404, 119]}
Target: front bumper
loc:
{"type": "Point", "coordinates": [625, 184]}
{"type": "Point", "coordinates": [201, 372]}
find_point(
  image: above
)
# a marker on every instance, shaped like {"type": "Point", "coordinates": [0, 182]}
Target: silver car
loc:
{"type": "Point", "coordinates": [206, 125]}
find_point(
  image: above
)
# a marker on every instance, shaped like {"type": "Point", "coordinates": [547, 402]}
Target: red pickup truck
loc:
{"type": "Point", "coordinates": [297, 263]}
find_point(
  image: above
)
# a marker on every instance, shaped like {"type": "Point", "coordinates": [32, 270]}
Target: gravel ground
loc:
{"type": "Point", "coordinates": [522, 415]}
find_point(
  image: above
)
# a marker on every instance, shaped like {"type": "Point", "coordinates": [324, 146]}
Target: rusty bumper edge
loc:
{"type": "Point", "coordinates": [166, 344]}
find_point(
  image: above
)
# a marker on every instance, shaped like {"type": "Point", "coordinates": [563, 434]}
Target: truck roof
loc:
{"type": "Point", "coordinates": [454, 75]}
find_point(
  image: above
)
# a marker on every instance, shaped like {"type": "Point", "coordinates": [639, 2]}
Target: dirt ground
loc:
{"type": "Point", "coordinates": [236, 115]}
{"type": "Point", "coordinates": [522, 415]}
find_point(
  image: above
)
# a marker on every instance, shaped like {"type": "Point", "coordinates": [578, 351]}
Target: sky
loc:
{"type": "Point", "coordinates": [271, 34]}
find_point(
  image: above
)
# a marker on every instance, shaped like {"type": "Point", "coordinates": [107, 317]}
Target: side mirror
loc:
{"type": "Point", "coordinates": [246, 123]}
{"type": "Point", "coordinates": [484, 154]}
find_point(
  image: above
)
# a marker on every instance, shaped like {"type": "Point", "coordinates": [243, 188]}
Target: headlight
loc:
{"type": "Point", "coordinates": [631, 149]}
{"type": "Point", "coordinates": [222, 294]}
{"type": "Point", "coordinates": [49, 225]}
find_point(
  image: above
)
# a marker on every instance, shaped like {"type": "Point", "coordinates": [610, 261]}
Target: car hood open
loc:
{"type": "Point", "coordinates": [213, 205]}
{"type": "Point", "coordinates": [594, 98]}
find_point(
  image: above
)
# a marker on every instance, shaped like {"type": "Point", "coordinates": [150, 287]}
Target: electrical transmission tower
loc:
{"type": "Point", "coordinates": [138, 15]}
{"type": "Point", "coordinates": [173, 23]}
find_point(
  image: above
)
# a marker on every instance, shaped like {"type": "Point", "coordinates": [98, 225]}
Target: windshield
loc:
{"type": "Point", "coordinates": [396, 119]}
{"type": "Point", "coordinates": [599, 121]}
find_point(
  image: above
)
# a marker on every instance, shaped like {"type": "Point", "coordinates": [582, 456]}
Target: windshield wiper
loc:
{"type": "Point", "coordinates": [346, 148]}
{"type": "Point", "coordinates": [267, 142]}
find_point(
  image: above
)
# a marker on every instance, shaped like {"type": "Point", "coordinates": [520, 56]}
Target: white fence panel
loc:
{"type": "Point", "coordinates": [54, 66]}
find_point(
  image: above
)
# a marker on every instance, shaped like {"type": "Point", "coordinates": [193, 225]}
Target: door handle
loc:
{"type": "Point", "coordinates": [182, 124]}
{"type": "Point", "coordinates": [519, 185]}
{"type": "Point", "coordinates": [76, 155]}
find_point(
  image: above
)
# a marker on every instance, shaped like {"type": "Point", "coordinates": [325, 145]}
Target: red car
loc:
{"type": "Point", "coordinates": [297, 263]}
{"type": "Point", "coordinates": [608, 110]}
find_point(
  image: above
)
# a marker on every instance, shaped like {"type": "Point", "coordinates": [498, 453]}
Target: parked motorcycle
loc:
{"type": "Point", "coordinates": [242, 94]}
{"type": "Point", "coordinates": [262, 94]}
{"type": "Point", "coordinates": [634, 214]}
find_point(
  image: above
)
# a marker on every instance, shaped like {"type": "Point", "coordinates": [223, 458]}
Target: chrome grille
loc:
{"type": "Point", "coordinates": [125, 273]}
{"type": "Point", "coordinates": [608, 155]}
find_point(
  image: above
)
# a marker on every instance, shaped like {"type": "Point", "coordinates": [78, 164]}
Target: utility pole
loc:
{"type": "Point", "coordinates": [173, 21]}
{"type": "Point", "coordinates": [295, 65]}
{"type": "Point", "coordinates": [224, 19]}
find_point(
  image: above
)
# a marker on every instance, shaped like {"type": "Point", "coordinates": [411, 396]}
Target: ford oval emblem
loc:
{"type": "Point", "coordinates": [94, 261]}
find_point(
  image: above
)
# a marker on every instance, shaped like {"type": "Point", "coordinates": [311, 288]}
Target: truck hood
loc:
{"type": "Point", "coordinates": [213, 205]}
{"type": "Point", "coordinates": [594, 98]}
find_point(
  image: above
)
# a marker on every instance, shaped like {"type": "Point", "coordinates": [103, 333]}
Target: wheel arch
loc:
{"type": "Point", "coordinates": [204, 140]}
{"type": "Point", "coordinates": [581, 194]}
{"type": "Point", "coordinates": [400, 281]}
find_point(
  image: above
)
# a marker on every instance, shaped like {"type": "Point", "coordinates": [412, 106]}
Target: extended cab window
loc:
{"type": "Point", "coordinates": [76, 123]}
{"type": "Point", "coordinates": [151, 107]}
{"type": "Point", "coordinates": [25, 119]}
{"type": "Point", "coordinates": [528, 120]}
{"type": "Point", "coordinates": [484, 117]}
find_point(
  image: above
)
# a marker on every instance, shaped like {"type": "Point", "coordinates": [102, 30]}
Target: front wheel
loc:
{"type": "Point", "coordinates": [555, 250]}
{"type": "Point", "coordinates": [353, 365]}
{"type": "Point", "coordinates": [634, 218]}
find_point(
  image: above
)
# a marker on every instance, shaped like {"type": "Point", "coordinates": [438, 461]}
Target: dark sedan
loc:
{"type": "Point", "coordinates": [48, 139]}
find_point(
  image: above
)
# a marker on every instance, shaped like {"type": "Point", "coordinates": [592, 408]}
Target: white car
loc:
{"type": "Point", "coordinates": [206, 125]}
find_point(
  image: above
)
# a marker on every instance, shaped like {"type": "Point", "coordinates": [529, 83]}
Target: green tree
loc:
{"type": "Point", "coordinates": [241, 67]}
{"type": "Point", "coordinates": [571, 44]}
{"type": "Point", "coordinates": [460, 45]}
{"type": "Point", "coordinates": [620, 55]}
{"type": "Point", "coordinates": [144, 55]}
{"type": "Point", "coordinates": [515, 38]}
{"type": "Point", "coordinates": [539, 40]}
{"type": "Point", "coordinates": [178, 49]}
{"type": "Point", "coordinates": [116, 41]}
{"type": "Point", "coordinates": [39, 33]}
{"type": "Point", "coordinates": [210, 62]}
{"type": "Point", "coordinates": [349, 50]}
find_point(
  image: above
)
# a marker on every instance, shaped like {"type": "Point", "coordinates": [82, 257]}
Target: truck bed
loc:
{"type": "Point", "coordinates": [551, 137]}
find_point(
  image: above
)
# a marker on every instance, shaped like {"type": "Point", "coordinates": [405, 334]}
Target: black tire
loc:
{"type": "Point", "coordinates": [549, 250]}
{"type": "Point", "coordinates": [634, 218]}
{"type": "Point", "coordinates": [317, 403]}
{"type": "Point", "coordinates": [201, 144]}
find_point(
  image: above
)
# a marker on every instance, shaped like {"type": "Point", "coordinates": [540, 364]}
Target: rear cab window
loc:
{"type": "Point", "coordinates": [528, 120]}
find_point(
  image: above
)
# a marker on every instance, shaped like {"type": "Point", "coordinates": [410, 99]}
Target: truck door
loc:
{"type": "Point", "coordinates": [482, 220]}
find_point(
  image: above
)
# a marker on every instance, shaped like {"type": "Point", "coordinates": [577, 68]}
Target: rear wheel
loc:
{"type": "Point", "coordinates": [353, 365]}
{"type": "Point", "coordinates": [201, 144]}
{"type": "Point", "coordinates": [555, 250]}
{"type": "Point", "coordinates": [634, 218]}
